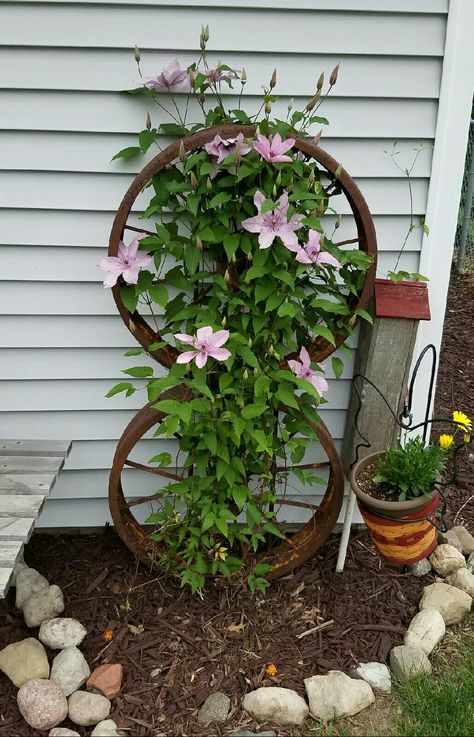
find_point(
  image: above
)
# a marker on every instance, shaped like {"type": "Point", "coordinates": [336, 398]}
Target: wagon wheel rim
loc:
{"type": "Point", "coordinates": [286, 556]}
{"type": "Point", "coordinates": [320, 348]}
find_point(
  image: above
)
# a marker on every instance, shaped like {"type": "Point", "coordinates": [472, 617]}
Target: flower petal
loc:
{"type": "Point", "coordinates": [204, 334]}
{"type": "Point", "coordinates": [253, 225]}
{"type": "Point", "coordinates": [130, 275]}
{"type": "Point", "coordinates": [266, 238]}
{"type": "Point", "coordinates": [201, 358]}
{"type": "Point", "coordinates": [220, 354]}
{"type": "Point", "coordinates": [258, 200]}
{"type": "Point", "coordinates": [185, 338]}
{"type": "Point", "coordinates": [186, 357]}
{"type": "Point", "coordinates": [305, 358]}
{"type": "Point", "coordinates": [326, 258]}
{"type": "Point", "coordinates": [219, 338]}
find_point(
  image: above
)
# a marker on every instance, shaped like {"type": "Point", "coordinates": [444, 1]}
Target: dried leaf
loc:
{"type": "Point", "coordinates": [298, 589]}
{"type": "Point", "coordinates": [136, 629]}
{"type": "Point", "coordinates": [236, 627]}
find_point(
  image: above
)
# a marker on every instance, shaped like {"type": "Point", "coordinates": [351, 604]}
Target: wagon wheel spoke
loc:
{"type": "Point", "coordinates": [139, 230]}
{"type": "Point", "coordinates": [347, 242]}
{"type": "Point", "coordinates": [303, 466]}
{"type": "Point", "coordinates": [154, 470]}
{"type": "Point", "coordinates": [294, 503]}
{"type": "Point", "coordinates": [142, 499]}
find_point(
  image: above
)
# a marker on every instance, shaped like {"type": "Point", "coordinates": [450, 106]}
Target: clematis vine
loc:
{"type": "Point", "coordinates": [310, 253]}
{"type": "Point", "coordinates": [274, 223]}
{"type": "Point", "coordinates": [302, 369]}
{"type": "Point", "coordinates": [127, 263]}
{"type": "Point", "coordinates": [219, 148]}
{"type": "Point", "coordinates": [206, 344]}
{"type": "Point", "coordinates": [218, 75]}
{"type": "Point", "coordinates": [273, 149]}
{"type": "Point", "coordinates": [171, 76]}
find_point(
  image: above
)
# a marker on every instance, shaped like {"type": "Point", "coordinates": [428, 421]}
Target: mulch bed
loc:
{"type": "Point", "coordinates": [226, 640]}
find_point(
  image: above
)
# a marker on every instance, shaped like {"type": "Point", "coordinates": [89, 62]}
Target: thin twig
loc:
{"type": "Point", "coordinates": [462, 507]}
{"type": "Point", "coordinates": [315, 629]}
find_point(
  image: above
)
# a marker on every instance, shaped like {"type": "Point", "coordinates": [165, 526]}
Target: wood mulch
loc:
{"type": "Point", "coordinates": [176, 649]}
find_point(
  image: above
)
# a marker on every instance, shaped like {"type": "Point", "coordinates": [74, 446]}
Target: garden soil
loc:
{"type": "Point", "coordinates": [176, 648]}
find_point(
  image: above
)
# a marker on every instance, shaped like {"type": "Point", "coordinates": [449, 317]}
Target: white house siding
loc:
{"type": "Point", "coordinates": [62, 119]}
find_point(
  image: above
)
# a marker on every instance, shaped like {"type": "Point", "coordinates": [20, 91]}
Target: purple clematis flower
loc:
{"type": "Point", "coordinates": [273, 149]}
{"type": "Point", "coordinates": [303, 370]}
{"type": "Point", "coordinates": [127, 263]}
{"type": "Point", "coordinates": [219, 148]}
{"type": "Point", "coordinates": [218, 75]}
{"type": "Point", "coordinates": [311, 253]}
{"type": "Point", "coordinates": [274, 223]}
{"type": "Point", "coordinates": [206, 344]}
{"type": "Point", "coordinates": [171, 76]}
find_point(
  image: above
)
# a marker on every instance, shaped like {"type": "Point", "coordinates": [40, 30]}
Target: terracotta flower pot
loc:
{"type": "Point", "coordinates": [399, 530]}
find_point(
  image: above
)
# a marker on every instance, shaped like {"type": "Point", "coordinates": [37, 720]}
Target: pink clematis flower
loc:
{"type": "Point", "coordinates": [303, 370]}
{"type": "Point", "coordinates": [206, 344]}
{"type": "Point", "coordinates": [311, 253]}
{"type": "Point", "coordinates": [218, 75]}
{"type": "Point", "coordinates": [219, 148]}
{"type": "Point", "coordinates": [171, 76]}
{"type": "Point", "coordinates": [127, 264]}
{"type": "Point", "coordinates": [273, 149]}
{"type": "Point", "coordinates": [274, 223]}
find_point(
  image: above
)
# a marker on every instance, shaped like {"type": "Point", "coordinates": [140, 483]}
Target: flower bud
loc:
{"type": "Point", "coordinates": [278, 179]}
{"type": "Point", "coordinates": [227, 276]}
{"type": "Point", "coordinates": [234, 258]}
{"type": "Point", "coordinates": [192, 77]}
{"type": "Point", "coordinates": [256, 371]}
{"type": "Point", "coordinates": [274, 191]}
{"type": "Point", "coordinates": [202, 38]}
{"type": "Point", "coordinates": [249, 342]}
{"type": "Point", "coordinates": [338, 171]}
{"type": "Point", "coordinates": [311, 178]}
{"type": "Point", "coordinates": [249, 256]}
{"type": "Point", "coordinates": [271, 350]}
{"type": "Point", "coordinates": [245, 375]}
{"type": "Point", "coordinates": [194, 181]}
{"type": "Point", "coordinates": [206, 33]}
{"type": "Point", "coordinates": [268, 107]}
{"type": "Point", "coordinates": [320, 82]}
{"type": "Point", "coordinates": [202, 98]}
{"type": "Point", "coordinates": [148, 122]}
{"type": "Point", "coordinates": [334, 75]}
{"type": "Point", "coordinates": [337, 223]}
{"type": "Point", "coordinates": [137, 54]}
{"type": "Point", "coordinates": [209, 185]}
{"type": "Point", "coordinates": [243, 76]}
{"type": "Point", "coordinates": [199, 243]}
{"type": "Point", "coordinates": [310, 105]}
{"type": "Point", "coordinates": [317, 138]}
{"type": "Point", "coordinates": [273, 79]}
{"type": "Point", "coordinates": [224, 321]}
{"type": "Point", "coordinates": [290, 105]}
{"type": "Point", "coordinates": [181, 151]}
{"type": "Point", "coordinates": [237, 156]}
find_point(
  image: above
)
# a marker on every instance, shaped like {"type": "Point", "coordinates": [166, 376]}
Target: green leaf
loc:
{"type": "Point", "coordinates": [156, 346]}
{"type": "Point", "coordinates": [124, 386]}
{"type": "Point", "coordinates": [173, 129]}
{"type": "Point", "coordinates": [210, 441]}
{"type": "Point", "coordinates": [324, 333]}
{"type": "Point", "coordinates": [255, 272]}
{"type": "Point", "coordinates": [273, 530]}
{"type": "Point", "coordinates": [129, 298]}
{"type": "Point", "coordinates": [182, 410]}
{"type": "Point", "coordinates": [219, 199]}
{"type": "Point", "coordinates": [208, 521]}
{"type": "Point", "coordinates": [159, 294]}
{"type": "Point", "coordinates": [134, 352]}
{"type": "Point", "coordinates": [231, 243]}
{"type": "Point", "coordinates": [326, 305]}
{"type": "Point", "coordinates": [127, 153]}
{"type": "Point", "coordinates": [285, 277]}
{"type": "Point", "coordinates": [247, 355]}
{"type": "Point", "coordinates": [221, 525]}
{"type": "Point", "coordinates": [287, 309]}
{"type": "Point", "coordinates": [139, 372]}
{"type": "Point", "coordinates": [253, 410]}
{"type": "Point", "coordinates": [364, 315]}
{"type": "Point", "coordinates": [287, 397]}
{"type": "Point", "coordinates": [253, 515]}
{"type": "Point", "coordinates": [146, 138]}
{"type": "Point", "coordinates": [239, 495]}
{"type": "Point", "coordinates": [192, 201]}
{"type": "Point", "coordinates": [274, 300]}
{"type": "Point", "coordinates": [163, 459]}
{"type": "Point", "coordinates": [337, 367]}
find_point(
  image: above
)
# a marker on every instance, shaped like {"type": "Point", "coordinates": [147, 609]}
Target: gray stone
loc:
{"type": "Point", "coordinates": [28, 582]}
{"type": "Point", "coordinates": [46, 604]}
{"type": "Point", "coordinates": [63, 732]}
{"type": "Point", "coordinates": [282, 706]}
{"type": "Point", "coordinates": [87, 709]}
{"type": "Point", "coordinates": [466, 540]}
{"type": "Point", "coordinates": [445, 559]}
{"type": "Point", "coordinates": [42, 704]}
{"type": "Point", "coordinates": [426, 630]}
{"type": "Point", "coordinates": [24, 661]}
{"type": "Point", "coordinates": [377, 675]}
{"type": "Point", "coordinates": [462, 579]}
{"type": "Point", "coordinates": [61, 632]}
{"type": "Point", "coordinates": [215, 709]}
{"type": "Point", "coordinates": [470, 563]}
{"type": "Point", "coordinates": [452, 603]}
{"type": "Point", "coordinates": [420, 568]}
{"type": "Point", "coordinates": [407, 662]}
{"type": "Point", "coordinates": [450, 538]}
{"type": "Point", "coordinates": [336, 695]}
{"type": "Point", "coordinates": [20, 565]}
{"type": "Point", "coordinates": [70, 670]}
{"type": "Point", "coordinates": [107, 728]}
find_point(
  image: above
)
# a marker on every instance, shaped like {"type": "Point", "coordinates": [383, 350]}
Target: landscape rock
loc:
{"type": "Point", "coordinates": [420, 568]}
{"type": "Point", "coordinates": [426, 629]}
{"type": "Point", "coordinates": [282, 706]}
{"type": "Point", "coordinates": [28, 582]}
{"type": "Point", "coordinates": [20, 565]}
{"type": "Point", "coordinates": [377, 675]}
{"type": "Point", "coordinates": [87, 709]}
{"type": "Point", "coordinates": [45, 604]}
{"type": "Point", "coordinates": [470, 563]}
{"type": "Point", "coordinates": [407, 662]}
{"type": "Point", "coordinates": [336, 695]}
{"type": "Point", "coordinates": [215, 709]}
{"type": "Point", "coordinates": [107, 728]}
{"type": "Point", "coordinates": [466, 539]}
{"type": "Point", "coordinates": [42, 704]}
{"type": "Point", "coordinates": [450, 538]}
{"type": "Point", "coordinates": [24, 661]}
{"type": "Point", "coordinates": [452, 603]}
{"type": "Point", "coordinates": [70, 670]}
{"type": "Point", "coordinates": [61, 632]}
{"type": "Point", "coordinates": [462, 579]}
{"type": "Point", "coordinates": [106, 679]}
{"type": "Point", "coordinates": [63, 732]}
{"type": "Point", "coordinates": [445, 559]}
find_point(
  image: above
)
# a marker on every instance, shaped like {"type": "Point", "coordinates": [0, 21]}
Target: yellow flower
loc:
{"type": "Point", "coordinates": [446, 441]}
{"type": "Point", "coordinates": [467, 438]}
{"type": "Point", "coordinates": [462, 420]}
{"type": "Point", "coordinates": [271, 670]}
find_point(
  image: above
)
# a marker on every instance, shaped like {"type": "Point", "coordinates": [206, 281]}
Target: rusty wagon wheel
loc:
{"type": "Point", "coordinates": [366, 238]}
{"type": "Point", "coordinates": [283, 558]}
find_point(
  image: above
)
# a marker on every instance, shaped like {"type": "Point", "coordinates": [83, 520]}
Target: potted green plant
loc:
{"type": "Point", "coordinates": [398, 492]}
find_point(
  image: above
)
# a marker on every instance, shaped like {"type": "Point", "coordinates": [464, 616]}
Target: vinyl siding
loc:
{"type": "Point", "coordinates": [62, 65]}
